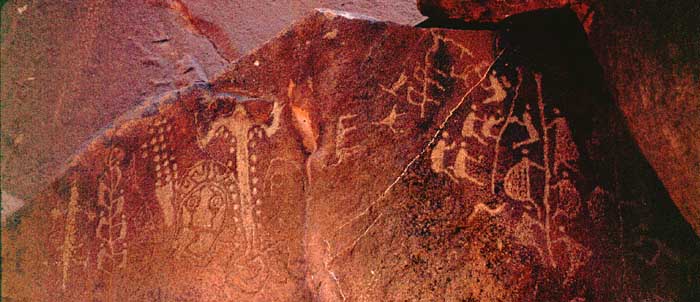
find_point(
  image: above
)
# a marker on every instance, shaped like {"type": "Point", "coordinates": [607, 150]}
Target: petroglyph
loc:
{"type": "Point", "coordinates": [249, 270]}
{"type": "Point", "coordinates": [112, 224]}
{"type": "Point", "coordinates": [517, 183]}
{"type": "Point", "coordinates": [495, 86]}
{"type": "Point", "coordinates": [238, 125]}
{"type": "Point", "coordinates": [157, 148]}
{"type": "Point", "coordinates": [437, 155]}
{"type": "Point", "coordinates": [461, 163]}
{"type": "Point", "coordinates": [424, 82]}
{"type": "Point", "coordinates": [274, 126]}
{"type": "Point", "coordinates": [331, 34]}
{"type": "Point", "coordinates": [526, 121]}
{"type": "Point", "coordinates": [229, 126]}
{"type": "Point", "coordinates": [568, 199]}
{"type": "Point", "coordinates": [430, 146]}
{"type": "Point", "coordinates": [342, 150]}
{"type": "Point", "coordinates": [70, 233]}
{"type": "Point", "coordinates": [560, 200]}
{"type": "Point", "coordinates": [226, 202]}
{"type": "Point", "coordinates": [390, 120]}
{"type": "Point", "coordinates": [481, 207]}
{"type": "Point", "coordinates": [469, 126]}
{"type": "Point", "coordinates": [476, 129]}
{"type": "Point", "coordinates": [203, 195]}
{"type": "Point", "coordinates": [501, 132]}
{"type": "Point", "coordinates": [474, 69]}
{"type": "Point", "coordinates": [393, 90]}
{"type": "Point", "coordinates": [565, 151]}
{"type": "Point", "coordinates": [488, 125]}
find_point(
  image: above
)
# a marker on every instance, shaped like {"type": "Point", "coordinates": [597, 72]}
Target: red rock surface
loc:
{"type": "Point", "coordinates": [650, 55]}
{"type": "Point", "coordinates": [357, 160]}
{"type": "Point", "coordinates": [71, 68]}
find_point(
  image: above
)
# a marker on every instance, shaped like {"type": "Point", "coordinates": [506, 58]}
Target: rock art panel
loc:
{"type": "Point", "coordinates": [57, 54]}
{"type": "Point", "coordinates": [356, 160]}
{"type": "Point", "coordinates": [649, 58]}
{"type": "Point", "coordinates": [183, 203]}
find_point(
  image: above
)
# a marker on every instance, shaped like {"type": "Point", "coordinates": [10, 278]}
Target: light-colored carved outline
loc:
{"type": "Point", "coordinates": [342, 152]}
{"type": "Point", "coordinates": [390, 120]}
{"type": "Point", "coordinates": [481, 207]}
{"type": "Point", "coordinates": [412, 161]}
{"type": "Point", "coordinates": [111, 200]}
{"type": "Point", "coordinates": [242, 129]}
{"type": "Point", "coordinates": [70, 232]}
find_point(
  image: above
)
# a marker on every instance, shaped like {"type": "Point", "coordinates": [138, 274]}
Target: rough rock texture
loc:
{"type": "Point", "coordinates": [650, 55]}
{"type": "Point", "coordinates": [355, 160]}
{"type": "Point", "coordinates": [70, 68]}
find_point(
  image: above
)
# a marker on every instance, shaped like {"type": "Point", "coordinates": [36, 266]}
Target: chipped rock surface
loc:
{"type": "Point", "coordinates": [357, 160]}
{"type": "Point", "coordinates": [650, 55]}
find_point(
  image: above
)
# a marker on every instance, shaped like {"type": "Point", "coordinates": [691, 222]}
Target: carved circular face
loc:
{"type": "Point", "coordinates": [204, 194]}
{"type": "Point", "coordinates": [204, 208]}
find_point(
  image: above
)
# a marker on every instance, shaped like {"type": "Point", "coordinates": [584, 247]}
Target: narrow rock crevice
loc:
{"type": "Point", "coordinates": [218, 38]}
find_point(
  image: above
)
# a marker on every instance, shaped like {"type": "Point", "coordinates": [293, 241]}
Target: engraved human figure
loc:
{"type": "Point", "coordinates": [469, 126]}
{"type": "Point", "coordinates": [437, 155]}
{"type": "Point", "coordinates": [462, 161]}
{"type": "Point", "coordinates": [499, 94]}
{"type": "Point", "coordinates": [532, 134]}
{"type": "Point", "coordinates": [390, 120]}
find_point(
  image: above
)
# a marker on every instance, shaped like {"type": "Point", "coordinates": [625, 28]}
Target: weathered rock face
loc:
{"type": "Point", "coordinates": [357, 160]}
{"type": "Point", "coordinates": [70, 68]}
{"type": "Point", "coordinates": [650, 57]}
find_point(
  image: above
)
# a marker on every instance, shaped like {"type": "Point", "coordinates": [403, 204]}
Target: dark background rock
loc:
{"type": "Point", "coordinates": [650, 55]}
